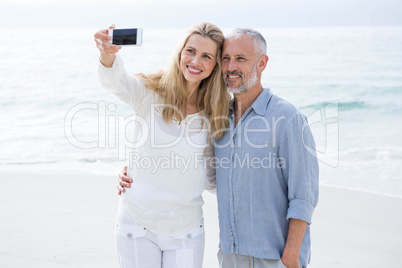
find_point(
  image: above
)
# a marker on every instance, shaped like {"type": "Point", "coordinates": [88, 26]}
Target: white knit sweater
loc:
{"type": "Point", "coordinates": [166, 160]}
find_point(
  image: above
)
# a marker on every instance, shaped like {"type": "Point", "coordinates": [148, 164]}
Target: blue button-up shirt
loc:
{"type": "Point", "coordinates": [266, 173]}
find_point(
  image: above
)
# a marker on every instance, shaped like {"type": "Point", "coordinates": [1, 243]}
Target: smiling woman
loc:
{"type": "Point", "coordinates": [160, 218]}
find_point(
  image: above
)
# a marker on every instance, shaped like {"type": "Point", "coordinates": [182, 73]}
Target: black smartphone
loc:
{"type": "Point", "coordinates": [126, 37]}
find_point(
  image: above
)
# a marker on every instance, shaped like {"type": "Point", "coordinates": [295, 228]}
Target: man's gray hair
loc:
{"type": "Point", "coordinates": [260, 45]}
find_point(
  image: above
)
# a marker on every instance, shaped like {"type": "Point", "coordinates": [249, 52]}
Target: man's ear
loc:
{"type": "Point", "coordinates": [262, 63]}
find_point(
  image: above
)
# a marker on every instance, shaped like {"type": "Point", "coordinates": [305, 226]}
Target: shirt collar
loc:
{"type": "Point", "coordinates": [260, 104]}
{"type": "Point", "coordinates": [231, 105]}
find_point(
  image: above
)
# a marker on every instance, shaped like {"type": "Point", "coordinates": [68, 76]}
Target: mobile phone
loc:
{"type": "Point", "coordinates": [126, 37]}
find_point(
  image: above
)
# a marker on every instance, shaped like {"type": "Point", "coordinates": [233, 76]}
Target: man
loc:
{"type": "Point", "coordinates": [266, 167]}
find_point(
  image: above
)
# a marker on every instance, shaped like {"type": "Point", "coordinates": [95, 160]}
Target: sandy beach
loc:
{"type": "Point", "coordinates": [56, 221]}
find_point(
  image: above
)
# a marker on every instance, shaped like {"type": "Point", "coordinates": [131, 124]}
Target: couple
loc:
{"type": "Point", "coordinates": [258, 152]}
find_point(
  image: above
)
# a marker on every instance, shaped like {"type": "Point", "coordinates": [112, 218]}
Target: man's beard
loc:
{"type": "Point", "coordinates": [245, 85]}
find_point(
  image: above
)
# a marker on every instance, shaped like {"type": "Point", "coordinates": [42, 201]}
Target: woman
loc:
{"type": "Point", "coordinates": [177, 110]}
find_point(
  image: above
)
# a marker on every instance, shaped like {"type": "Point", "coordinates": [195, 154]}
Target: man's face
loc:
{"type": "Point", "coordinates": [239, 64]}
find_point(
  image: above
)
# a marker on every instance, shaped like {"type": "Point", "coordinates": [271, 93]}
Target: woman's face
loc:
{"type": "Point", "coordinates": [198, 58]}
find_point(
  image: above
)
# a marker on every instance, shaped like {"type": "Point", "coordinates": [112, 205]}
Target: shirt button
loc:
{"type": "Point", "coordinates": [189, 236]}
{"type": "Point", "coordinates": [129, 235]}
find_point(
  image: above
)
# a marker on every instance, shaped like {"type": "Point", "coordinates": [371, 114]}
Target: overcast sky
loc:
{"type": "Point", "coordinates": [182, 13]}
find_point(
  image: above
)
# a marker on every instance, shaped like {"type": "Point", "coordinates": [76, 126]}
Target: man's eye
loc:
{"type": "Point", "coordinates": [225, 58]}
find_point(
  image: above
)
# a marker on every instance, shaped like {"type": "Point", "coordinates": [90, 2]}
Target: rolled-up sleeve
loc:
{"type": "Point", "coordinates": [127, 88]}
{"type": "Point", "coordinates": [300, 169]}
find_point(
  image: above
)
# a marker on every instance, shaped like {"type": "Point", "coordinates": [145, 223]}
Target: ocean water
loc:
{"type": "Point", "coordinates": [56, 118]}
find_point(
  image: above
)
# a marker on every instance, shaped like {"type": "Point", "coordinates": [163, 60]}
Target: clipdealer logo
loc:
{"type": "Point", "coordinates": [325, 125]}
{"type": "Point", "coordinates": [112, 129]}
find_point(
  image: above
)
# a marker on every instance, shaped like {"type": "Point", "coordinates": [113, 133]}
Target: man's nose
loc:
{"type": "Point", "coordinates": [231, 65]}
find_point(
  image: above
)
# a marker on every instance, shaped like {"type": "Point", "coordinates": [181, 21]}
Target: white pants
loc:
{"type": "Point", "coordinates": [138, 247]}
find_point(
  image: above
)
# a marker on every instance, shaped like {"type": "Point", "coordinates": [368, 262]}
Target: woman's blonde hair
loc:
{"type": "Point", "coordinates": [212, 95]}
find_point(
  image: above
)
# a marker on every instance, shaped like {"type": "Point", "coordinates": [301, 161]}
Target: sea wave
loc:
{"type": "Point", "coordinates": [97, 159]}
{"type": "Point", "coordinates": [342, 106]}
{"type": "Point", "coordinates": [373, 153]}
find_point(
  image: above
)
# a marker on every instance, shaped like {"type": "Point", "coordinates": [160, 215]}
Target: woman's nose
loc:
{"type": "Point", "coordinates": [195, 60]}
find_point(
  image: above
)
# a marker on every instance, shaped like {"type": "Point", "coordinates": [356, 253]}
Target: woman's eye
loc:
{"type": "Point", "coordinates": [207, 57]}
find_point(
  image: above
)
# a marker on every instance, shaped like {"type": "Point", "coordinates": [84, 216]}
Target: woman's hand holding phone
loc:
{"type": "Point", "coordinates": [107, 50]}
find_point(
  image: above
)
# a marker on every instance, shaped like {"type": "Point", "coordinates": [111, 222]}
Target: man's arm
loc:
{"type": "Point", "coordinates": [297, 146]}
{"type": "Point", "coordinates": [209, 154]}
{"type": "Point", "coordinates": [291, 253]}
{"type": "Point", "coordinates": [124, 181]}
